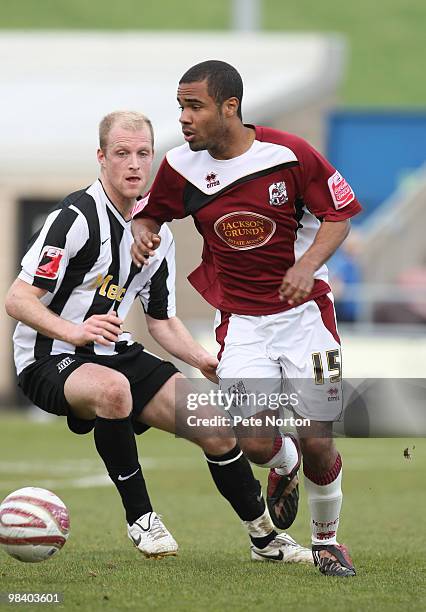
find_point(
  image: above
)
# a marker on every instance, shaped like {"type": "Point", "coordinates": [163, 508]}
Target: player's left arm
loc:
{"type": "Point", "coordinates": [299, 279]}
{"type": "Point", "coordinates": [175, 338]}
{"type": "Point", "coordinates": [330, 198]}
{"type": "Point", "coordinates": [159, 303]}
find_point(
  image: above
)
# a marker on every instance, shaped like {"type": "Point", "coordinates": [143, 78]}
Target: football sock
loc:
{"type": "Point", "coordinates": [325, 500]}
{"type": "Point", "coordinates": [259, 530]}
{"type": "Point", "coordinates": [235, 480]}
{"type": "Point", "coordinates": [116, 444]}
{"type": "Point", "coordinates": [285, 455]}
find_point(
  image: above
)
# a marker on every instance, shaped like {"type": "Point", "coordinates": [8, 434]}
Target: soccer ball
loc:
{"type": "Point", "coordinates": [34, 524]}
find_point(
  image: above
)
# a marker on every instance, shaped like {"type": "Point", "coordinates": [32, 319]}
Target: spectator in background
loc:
{"type": "Point", "coordinates": [345, 276]}
{"type": "Point", "coordinates": [413, 311]}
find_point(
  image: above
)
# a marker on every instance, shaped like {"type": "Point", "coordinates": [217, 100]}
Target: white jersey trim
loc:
{"type": "Point", "coordinates": [305, 238]}
{"type": "Point", "coordinates": [211, 175]}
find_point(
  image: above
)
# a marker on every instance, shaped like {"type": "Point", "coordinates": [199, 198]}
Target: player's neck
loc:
{"type": "Point", "coordinates": [126, 209]}
{"type": "Point", "coordinates": [237, 141]}
{"type": "Point", "coordinates": [123, 205]}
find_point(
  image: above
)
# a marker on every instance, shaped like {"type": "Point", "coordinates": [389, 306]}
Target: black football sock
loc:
{"type": "Point", "coordinates": [234, 478]}
{"type": "Point", "coordinates": [116, 444]}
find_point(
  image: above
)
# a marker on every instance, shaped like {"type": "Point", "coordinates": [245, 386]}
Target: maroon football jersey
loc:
{"type": "Point", "coordinates": [258, 213]}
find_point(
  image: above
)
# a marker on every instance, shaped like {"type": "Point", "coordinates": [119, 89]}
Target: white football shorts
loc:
{"type": "Point", "coordinates": [291, 359]}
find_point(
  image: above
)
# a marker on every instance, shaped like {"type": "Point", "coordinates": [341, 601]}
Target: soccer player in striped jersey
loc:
{"type": "Point", "coordinates": [73, 357]}
{"type": "Point", "coordinates": [271, 211]}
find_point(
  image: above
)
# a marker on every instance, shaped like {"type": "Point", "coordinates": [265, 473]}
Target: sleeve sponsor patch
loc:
{"type": "Point", "coordinates": [140, 205]}
{"type": "Point", "coordinates": [48, 265]}
{"type": "Point", "coordinates": [341, 192]}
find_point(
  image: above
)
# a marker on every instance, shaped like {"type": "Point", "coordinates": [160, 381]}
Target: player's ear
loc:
{"type": "Point", "coordinates": [230, 107]}
{"type": "Point", "coordinates": [101, 156]}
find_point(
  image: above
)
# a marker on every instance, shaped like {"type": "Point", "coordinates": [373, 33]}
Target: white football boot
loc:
{"type": "Point", "coordinates": [151, 537]}
{"type": "Point", "coordinates": [283, 549]}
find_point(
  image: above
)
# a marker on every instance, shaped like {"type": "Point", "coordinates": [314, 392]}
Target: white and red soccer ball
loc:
{"type": "Point", "coordinates": [34, 524]}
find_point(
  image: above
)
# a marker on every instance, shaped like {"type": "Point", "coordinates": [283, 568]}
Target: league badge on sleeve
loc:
{"type": "Point", "coordinates": [140, 205]}
{"type": "Point", "coordinates": [341, 192]}
{"type": "Point", "coordinates": [278, 194]}
{"type": "Point", "coordinates": [48, 265]}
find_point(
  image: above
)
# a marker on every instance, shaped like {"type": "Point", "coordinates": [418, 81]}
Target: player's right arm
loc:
{"type": "Point", "coordinates": [23, 304]}
{"type": "Point", "coordinates": [164, 203]}
{"type": "Point", "coordinates": [64, 235]}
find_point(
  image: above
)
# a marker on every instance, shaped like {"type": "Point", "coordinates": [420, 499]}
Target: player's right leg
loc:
{"type": "Point", "coordinates": [97, 391]}
{"type": "Point", "coordinates": [248, 368]}
{"type": "Point", "coordinates": [92, 396]}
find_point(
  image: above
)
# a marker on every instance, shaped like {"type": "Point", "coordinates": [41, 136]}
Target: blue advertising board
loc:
{"type": "Point", "coordinates": [376, 150]}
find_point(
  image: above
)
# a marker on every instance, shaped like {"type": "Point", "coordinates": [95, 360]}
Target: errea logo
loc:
{"type": "Point", "coordinates": [333, 394]}
{"type": "Point", "coordinates": [212, 180]}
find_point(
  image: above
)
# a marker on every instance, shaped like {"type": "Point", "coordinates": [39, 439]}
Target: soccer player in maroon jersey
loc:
{"type": "Point", "coordinates": [74, 359]}
{"type": "Point", "coordinates": [271, 211]}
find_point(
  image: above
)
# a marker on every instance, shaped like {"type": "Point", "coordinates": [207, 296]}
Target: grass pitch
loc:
{"type": "Point", "coordinates": [382, 522]}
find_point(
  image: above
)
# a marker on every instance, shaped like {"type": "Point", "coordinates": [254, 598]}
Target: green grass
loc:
{"type": "Point", "coordinates": [98, 568]}
{"type": "Point", "coordinates": [386, 37]}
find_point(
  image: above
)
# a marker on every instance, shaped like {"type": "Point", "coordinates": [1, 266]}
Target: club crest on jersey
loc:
{"type": "Point", "coordinates": [278, 194]}
{"type": "Point", "coordinates": [212, 180]}
{"type": "Point", "coordinates": [48, 265]}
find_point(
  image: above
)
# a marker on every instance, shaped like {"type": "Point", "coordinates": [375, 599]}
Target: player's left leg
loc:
{"type": "Point", "coordinates": [322, 468]}
{"type": "Point", "coordinates": [313, 367]}
{"type": "Point", "coordinates": [229, 468]}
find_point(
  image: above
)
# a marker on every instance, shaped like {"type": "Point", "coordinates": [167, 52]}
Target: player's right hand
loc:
{"type": "Point", "coordinates": [102, 329]}
{"type": "Point", "coordinates": [145, 240]}
{"type": "Point", "coordinates": [143, 247]}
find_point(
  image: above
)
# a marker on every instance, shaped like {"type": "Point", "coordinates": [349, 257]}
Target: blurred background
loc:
{"type": "Point", "coordinates": [345, 76]}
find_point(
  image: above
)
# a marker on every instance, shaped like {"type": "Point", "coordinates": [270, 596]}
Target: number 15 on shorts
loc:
{"type": "Point", "coordinates": [334, 367]}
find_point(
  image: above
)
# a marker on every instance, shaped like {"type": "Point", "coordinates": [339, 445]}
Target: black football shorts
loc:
{"type": "Point", "coordinates": [43, 381]}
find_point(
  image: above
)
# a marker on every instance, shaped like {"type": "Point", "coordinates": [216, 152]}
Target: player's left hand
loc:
{"type": "Point", "coordinates": [297, 283]}
{"type": "Point", "coordinates": [207, 367]}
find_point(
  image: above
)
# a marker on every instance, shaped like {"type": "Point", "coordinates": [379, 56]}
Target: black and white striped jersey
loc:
{"type": "Point", "coordinates": [81, 256]}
